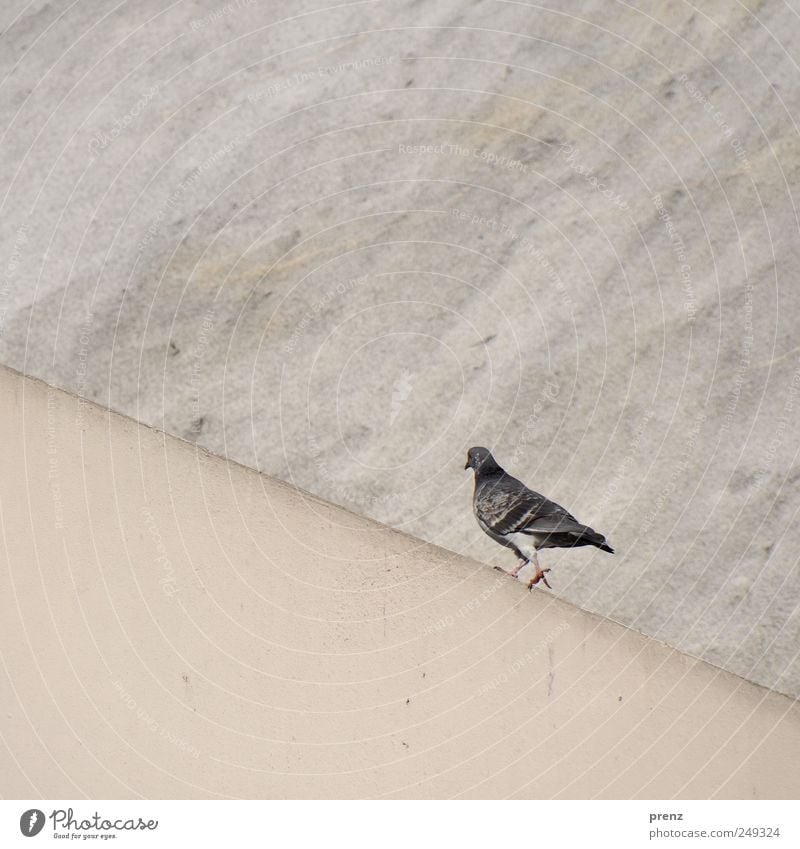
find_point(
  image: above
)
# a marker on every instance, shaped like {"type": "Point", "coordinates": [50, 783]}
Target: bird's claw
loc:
{"type": "Point", "coordinates": [539, 576]}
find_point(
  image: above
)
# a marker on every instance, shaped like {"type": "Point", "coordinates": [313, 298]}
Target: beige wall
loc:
{"type": "Point", "coordinates": [174, 625]}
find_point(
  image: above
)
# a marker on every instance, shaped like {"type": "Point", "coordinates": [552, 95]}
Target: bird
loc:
{"type": "Point", "coordinates": [521, 519]}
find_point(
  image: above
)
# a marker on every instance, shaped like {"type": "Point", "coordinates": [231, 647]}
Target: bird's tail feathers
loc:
{"type": "Point", "coordinates": [590, 536]}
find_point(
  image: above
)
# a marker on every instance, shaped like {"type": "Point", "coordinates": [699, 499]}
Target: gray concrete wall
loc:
{"type": "Point", "coordinates": [176, 625]}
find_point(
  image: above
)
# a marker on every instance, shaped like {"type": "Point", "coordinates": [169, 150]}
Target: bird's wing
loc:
{"type": "Point", "coordinates": [507, 506]}
{"type": "Point", "coordinates": [554, 523]}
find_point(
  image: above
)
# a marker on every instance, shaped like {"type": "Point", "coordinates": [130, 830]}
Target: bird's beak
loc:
{"type": "Point", "coordinates": [466, 465]}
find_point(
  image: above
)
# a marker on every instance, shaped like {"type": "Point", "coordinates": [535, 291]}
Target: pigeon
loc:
{"type": "Point", "coordinates": [521, 519]}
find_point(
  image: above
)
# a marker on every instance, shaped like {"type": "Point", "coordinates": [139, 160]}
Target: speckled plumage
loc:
{"type": "Point", "coordinates": [521, 519]}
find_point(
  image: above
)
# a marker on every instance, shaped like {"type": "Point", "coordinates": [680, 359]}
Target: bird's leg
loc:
{"type": "Point", "coordinates": [540, 574]}
{"type": "Point", "coordinates": [519, 567]}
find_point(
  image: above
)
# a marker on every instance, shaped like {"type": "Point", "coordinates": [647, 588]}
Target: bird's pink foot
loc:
{"type": "Point", "coordinates": [521, 565]}
{"type": "Point", "coordinates": [539, 576]}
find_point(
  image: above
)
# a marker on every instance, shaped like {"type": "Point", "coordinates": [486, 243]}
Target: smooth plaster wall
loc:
{"type": "Point", "coordinates": [176, 625]}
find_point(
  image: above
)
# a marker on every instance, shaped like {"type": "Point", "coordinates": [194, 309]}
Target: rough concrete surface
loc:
{"type": "Point", "coordinates": [343, 243]}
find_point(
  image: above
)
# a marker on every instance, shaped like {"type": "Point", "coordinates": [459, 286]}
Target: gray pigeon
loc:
{"type": "Point", "coordinates": [521, 519]}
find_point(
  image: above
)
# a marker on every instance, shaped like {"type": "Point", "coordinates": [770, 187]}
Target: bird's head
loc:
{"type": "Point", "coordinates": [481, 460]}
